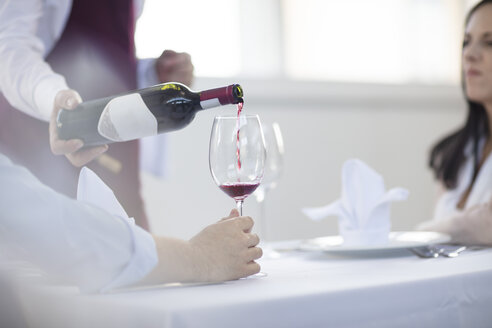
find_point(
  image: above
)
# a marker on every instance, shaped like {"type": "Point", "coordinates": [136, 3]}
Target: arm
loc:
{"type": "Point", "coordinates": [439, 191]}
{"type": "Point", "coordinates": [472, 227]}
{"type": "Point", "coordinates": [222, 251]}
{"type": "Point", "coordinates": [86, 246]}
{"type": "Point", "coordinates": [171, 66]}
{"type": "Point", "coordinates": [72, 240]}
{"type": "Point", "coordinates": [27, 81]}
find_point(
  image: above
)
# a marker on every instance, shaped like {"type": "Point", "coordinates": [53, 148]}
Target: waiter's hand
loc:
{"type": "Point", "coordinates": [174, 66]}
{"type": "Point", "coordinates": [69, 99]}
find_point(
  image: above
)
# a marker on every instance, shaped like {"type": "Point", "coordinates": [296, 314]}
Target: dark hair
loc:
{"type": "Point", "coordinates": [447, 157]}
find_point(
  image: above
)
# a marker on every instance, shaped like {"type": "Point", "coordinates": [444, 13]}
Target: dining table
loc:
{"type": "Point", "coordinates": [296, 288]}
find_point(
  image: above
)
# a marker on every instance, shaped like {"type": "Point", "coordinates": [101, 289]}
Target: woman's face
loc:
{"type": "Point", "coordinates": [477, 56]}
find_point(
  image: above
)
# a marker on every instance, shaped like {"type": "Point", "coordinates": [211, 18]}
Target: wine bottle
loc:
{"type": "Point", "coordinates": [141, 113]}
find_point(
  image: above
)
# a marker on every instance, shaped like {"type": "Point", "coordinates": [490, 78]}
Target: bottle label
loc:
{"type": "Point", "coordinates": [210, 103]}
{"type": "Point", "coordinates": [126, 118]}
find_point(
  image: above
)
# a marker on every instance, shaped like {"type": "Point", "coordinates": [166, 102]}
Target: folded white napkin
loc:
{"type": "Point", "coordinates": [93, 190]}
{"type": "Point", "coordinates": [363, 210]}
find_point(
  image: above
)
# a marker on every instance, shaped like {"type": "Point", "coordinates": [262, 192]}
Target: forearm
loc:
{"type": "Point", "coordinates": [146, 73]}
{"type": "Point", "coordinates": [472, 227]}
{"type": "Point", "coordinates": [451, 226]}
{"type": "Point", "coordinates": [222, 251]}
{"type": "Point", "coordinates": [27, 81]}
{"type": "Point", "coordinates": [176, 262]}
{"type": "Point", "coordinates": [70, 240]}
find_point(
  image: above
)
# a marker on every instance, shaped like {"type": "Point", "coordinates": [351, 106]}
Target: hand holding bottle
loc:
{"type": "Point", "coordinates": [174, 66]}
{"type": "Point", "coordinates": [69, 99]}
{"type": "Point", "coordinates": [140, 113]}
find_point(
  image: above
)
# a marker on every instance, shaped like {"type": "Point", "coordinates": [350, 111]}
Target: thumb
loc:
{"type": "Point", "coordinates": [67, 99]}
{"type": "Point", "coordinates": [234, 213]}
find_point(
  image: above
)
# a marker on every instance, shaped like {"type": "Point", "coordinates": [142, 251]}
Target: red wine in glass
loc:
{"type": "Point", "coordinates": [237, 155]}
{"type": "Point", "coordinates": [239, 190]}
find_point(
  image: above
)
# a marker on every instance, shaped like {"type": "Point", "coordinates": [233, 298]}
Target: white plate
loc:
{"type": "Point", "coordinates": [397, 240]}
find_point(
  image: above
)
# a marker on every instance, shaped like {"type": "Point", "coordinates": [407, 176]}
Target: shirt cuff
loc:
{"type": "Point", "coordinates": [146, 73]}
{"type": "Point", "coordinates": [144, 258]}
{"type": "Point", "coordinates": [45, 93]}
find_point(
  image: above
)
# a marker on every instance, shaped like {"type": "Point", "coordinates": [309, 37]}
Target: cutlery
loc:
{"type": "Point", "coordinates": [439, 250]}
{"type": "Point", "coordinates": [424, 252]}
{"type": "Point", "coordinates": [447, 251]}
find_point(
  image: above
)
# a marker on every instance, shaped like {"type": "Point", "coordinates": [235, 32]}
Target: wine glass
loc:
{"type": "Point", "coordinates": [274, 145]}
{"type": "Point", "coordinates": [237, 155]}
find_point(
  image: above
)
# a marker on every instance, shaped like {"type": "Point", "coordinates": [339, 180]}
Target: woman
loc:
{"type": "Point", "coordinates": [462, 161]}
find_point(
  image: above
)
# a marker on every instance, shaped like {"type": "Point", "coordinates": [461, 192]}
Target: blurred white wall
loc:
{"type": "Point", "coordinates": [389, 127]}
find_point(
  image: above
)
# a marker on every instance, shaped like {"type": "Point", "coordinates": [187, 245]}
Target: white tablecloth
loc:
{"type": "Point", "coordinates": [301, 290]}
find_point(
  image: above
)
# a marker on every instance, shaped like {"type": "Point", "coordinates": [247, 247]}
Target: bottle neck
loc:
{"type": "Point", "coordinates": [231, 94]}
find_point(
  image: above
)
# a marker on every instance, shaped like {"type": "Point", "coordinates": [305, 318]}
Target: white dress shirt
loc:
{"type": "Point", "coordinates": [75, 241]}
{"type": "Point", "coordinates": [481, 192]}
{"type": "Point", "coordinates": [29, 30]}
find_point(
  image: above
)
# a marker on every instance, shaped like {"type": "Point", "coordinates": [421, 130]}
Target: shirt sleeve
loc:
{"type": "Point", "coordinates": [70, 240]}
{"type": "Point", "coordinates": [146, 73]}
{"type": "Point", "coordinates": [26, 81]}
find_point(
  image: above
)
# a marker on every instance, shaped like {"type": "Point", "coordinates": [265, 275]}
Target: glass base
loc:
{"type": "Point", "coordinates": [260, 274]}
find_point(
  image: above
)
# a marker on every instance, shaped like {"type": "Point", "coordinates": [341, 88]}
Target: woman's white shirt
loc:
{"type": "Point", "coordinates": [481, 192]}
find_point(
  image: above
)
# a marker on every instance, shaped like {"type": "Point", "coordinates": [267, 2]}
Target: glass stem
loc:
{"type": "Point", "coordinates": [263, 221]}
{"type": "Point", "coordinates": [239, 205]}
